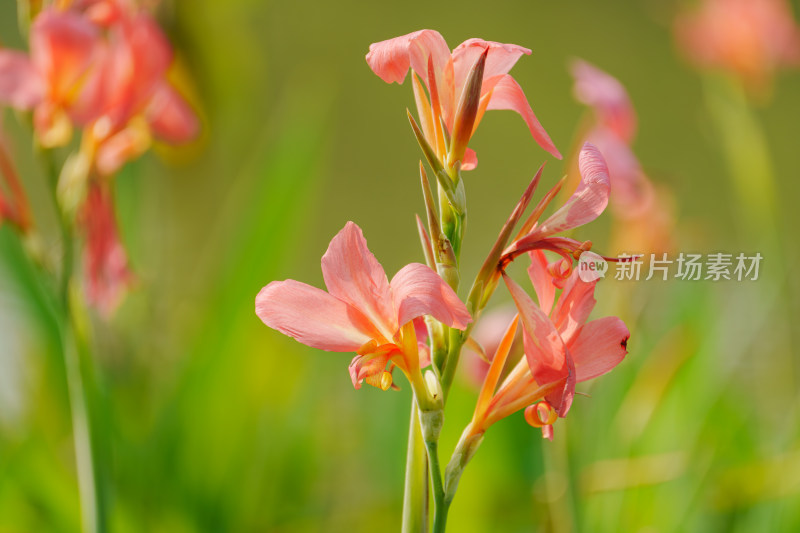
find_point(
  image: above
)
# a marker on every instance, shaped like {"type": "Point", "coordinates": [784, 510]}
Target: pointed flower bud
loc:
{"type": "Point", "coordinates": [467, 111]}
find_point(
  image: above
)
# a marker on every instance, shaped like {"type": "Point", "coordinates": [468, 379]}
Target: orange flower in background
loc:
{"type": "Point", "coordinates": [65, 48]}
{"type": "Point", "coordinates": [750, 38]}
{"type": "Point", "coordinates": [132, 100]}
{"type": "Point", "coordinates": [446, 75]}
{"type": "Point", "coordinates": [106, 272]}
{"type": "Point", "coordinates": [101, 65]}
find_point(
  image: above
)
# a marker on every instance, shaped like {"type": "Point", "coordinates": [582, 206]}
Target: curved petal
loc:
{"type": "Point", "coordinates": [548, 357]}
{"type": "Point", "coordinates": [148, 54]}
{"type": "Point", "coordinates": [371, 369]}
{"type": "Point", "coordinates": [542, 280]}
{"type": "Point", "coordinates": [417, 290]}
{"type": "Point", "coordinates": [507, 94]}
{"type": "Point", "coordinates": [20, 84]}
{"type": "Point", "coordinates": [589, 199]}
{"type": "Point", "coordinates": [501, 58]}
{"type": "Point", "coordinates": [133, 68]}
{"type": "Point", "coordinates": [600, 346]}
{"type": "Point", "coordinates": [392, 58]}
{"type": "Point", "coordinates": [353, 275]}
{"type": "Point", "coordinates": [312, 316]}
{"type": "Point", "coordinates": [632, 193]}
{"type": "Point", "coordinates": [606, 96]}
{"type": "Point", "coordinates": [64, 46]}
{"type": "Point", "coordinates": [574, 306]}
{"type": "Point", "coordinates": [170, 116]}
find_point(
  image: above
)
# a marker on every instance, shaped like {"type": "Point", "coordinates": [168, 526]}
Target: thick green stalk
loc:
{"type": "Point", "coordinates": [415, 496]}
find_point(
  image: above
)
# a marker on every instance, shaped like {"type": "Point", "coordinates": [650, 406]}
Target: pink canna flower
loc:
{"type": "Point", "coordinates": [131, 98]}
{"type": "Point", "coordinates": [751, 38]}
{"type": "Point", "coordinates": [562, 348]}
{"type": "Point", "coordinates": [105, 263]}
{"type": "Point", "coordinates": [362, 311]}
{"type": "Point", "coordinates": [65, 47]}
{"type": "Point", "coordinates": [446, 76]}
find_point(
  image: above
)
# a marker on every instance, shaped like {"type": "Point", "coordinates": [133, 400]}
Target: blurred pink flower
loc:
{"type": "Point", "coordinates": [105, 12]}
{"type": "Point", "coordinates": [641, 210]}
{"type": "Point", "coordinates": [751, 38]}
{"type": "Point", "coordinates": [362, 311]}
{"type": "Point", "coordinates": [130, 97]}
{"type": "Point", "coordinates": [445, 75]}
{"type": "Point", "coordinates": [606, 96]}
{"type": "Point", "coordinates": [105, 263]}
{"type": "Point", "coordinates": [64, 48]}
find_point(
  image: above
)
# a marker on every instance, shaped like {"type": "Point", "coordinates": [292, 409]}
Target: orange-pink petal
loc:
{"type": "Point", "coordinates": [64, 46]}
{"type": "Point", "coordinates": [470, 160]}
{"type": "Point", "coordinates": [391, 59]}
{"type": "Point", "coordinates": [20, 84]}
{"type": "Point", "coordinates": [600, 346]}
{"type": "Point", "coordinates": [547, 355]}
{"type": "Point", "coordinates": [312, 316]}
{"type": "Point", "coordinates": [170, 116]}
{"type": "Point", "coordinates": [587, 202]}
{"type": "Point", "coordinates": [418, 291]}
{"type": "Point", "coordinates": [542, 280]}
{"type": "Point", "coordinates": [507, 94]}
{"type": "Point", "coordinates": [574, 306]}
{"type": "Point", "coordinates": [501, 58]}
{"type": "Point", "coordinates": [105, 262]}
{"type": "Point", "coordinates": [353, 275]}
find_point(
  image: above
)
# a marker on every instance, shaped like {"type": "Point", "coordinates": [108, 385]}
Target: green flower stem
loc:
{"type": "Point", "coordinates": [440, 504]}
{"type": "Point", "coordinates": [415, 496]}
{"type": "Point", "coordinates": [83, 396]}
{"type": "Point", "coordinates": [455, 342]}
{"type": "Point", "coordinates": [81, 379]}
{"type": "Point", "coordinates": [746, 151]}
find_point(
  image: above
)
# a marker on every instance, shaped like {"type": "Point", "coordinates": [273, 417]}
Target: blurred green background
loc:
{"type": "Point", "coordinates": [221, 424]}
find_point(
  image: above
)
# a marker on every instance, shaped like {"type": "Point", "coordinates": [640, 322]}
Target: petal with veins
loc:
{"type": "Point", "coordinates": [391, 59]}
{"type": "Point", "coordinates": [312, 316]}
{"type": "Point", "coordinates": [587, 202]}
{"type": "Point", "coordinates": [353, 275]}
{"type": "Point", "coordinates": [417, 290]}
{"type": "Point", "coordinates": [600, 346]}
{"type": "Point", "coordinates": [507, 94]}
